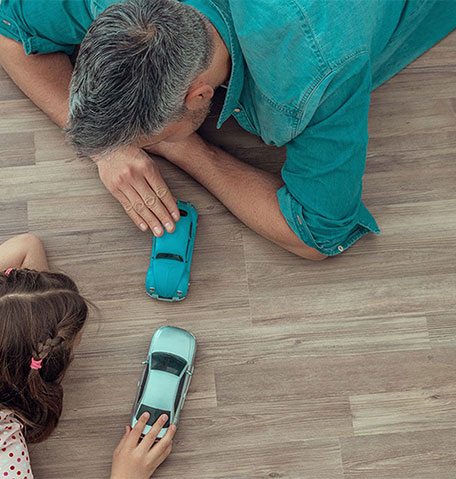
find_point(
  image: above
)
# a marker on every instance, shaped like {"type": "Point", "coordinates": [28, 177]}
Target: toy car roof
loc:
{"type": "Point", "coordinates": [176, 242]}
{"type": "Point", "coordinates": [160, 390]}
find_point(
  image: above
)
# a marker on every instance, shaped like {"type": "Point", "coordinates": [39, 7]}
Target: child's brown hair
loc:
{"type": "Point", "coordinates": [41, 315]}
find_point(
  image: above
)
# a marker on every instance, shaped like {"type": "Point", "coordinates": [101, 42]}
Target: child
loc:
{"type": "Point", "coordinates": [42, 316]}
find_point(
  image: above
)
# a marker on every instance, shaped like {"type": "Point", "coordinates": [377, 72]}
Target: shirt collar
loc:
{"type": "Point", "coordinates": [222, 21]}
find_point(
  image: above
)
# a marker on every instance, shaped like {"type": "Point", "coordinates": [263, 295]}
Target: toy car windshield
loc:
{"type": "Point", "coordinates": [154, 414]}
{"type": "Point", "coordinates": [167, 362]}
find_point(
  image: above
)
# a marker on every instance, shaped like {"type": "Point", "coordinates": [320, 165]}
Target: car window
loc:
{"type": "Point", "coordinates": [167, 362]}
{"type": "Point", "coordinates": [188, 245]}
{"type": "Point", "coordinates": [179, 392]}
{"type": "Point", "coordinates": [143, 382]}
{"type": "Point", "coordinates": [183, 212]}
{"type": "Point", "coordinates": [174, 257]}
{"type": "Point", "coordinates": [154, 414]}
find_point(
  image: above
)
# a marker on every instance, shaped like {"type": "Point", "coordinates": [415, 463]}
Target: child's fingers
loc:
{"type": "Point", "coordinates": [166, 453]}
{"type": "Point", "coordinates": [135, 433]}
{"type": "Point", "coordinates": [165, 441]}
{"type": "Point", "coordinates": [123, 439]}
{"type": "Point", "coordinates": [150, 437]}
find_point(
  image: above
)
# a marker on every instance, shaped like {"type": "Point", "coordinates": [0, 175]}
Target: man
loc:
{"type": "Point", "coordinates": [298, 72]}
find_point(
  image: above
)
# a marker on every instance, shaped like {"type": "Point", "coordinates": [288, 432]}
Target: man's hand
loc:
{"type": "Point", "coordinates": [135, 181]}
{"type": "Point", "coordinates": [138, 460]}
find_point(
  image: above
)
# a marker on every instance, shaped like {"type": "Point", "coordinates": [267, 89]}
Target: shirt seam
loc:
{"type": "Point", "coordinates": [322, 63]}
{"type": "Point", "coordinates": [313, 87]}
{"type": "Point", "coordinates": [308, 31]}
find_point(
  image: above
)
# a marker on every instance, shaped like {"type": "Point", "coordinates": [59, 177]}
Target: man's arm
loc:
{"type": "Point", "coordinates": [44, 78]}
{"type": "Point", "coordinates": [249, 193]}
{"type": "Point", "coordinates": [130, 175]}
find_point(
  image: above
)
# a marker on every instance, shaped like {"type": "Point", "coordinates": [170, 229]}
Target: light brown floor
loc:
{"type": "Point", "coordinates": [341, 369]}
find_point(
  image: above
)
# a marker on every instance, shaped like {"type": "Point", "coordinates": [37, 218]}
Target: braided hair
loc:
{"type": "Point", "coordinates": [41, 315]}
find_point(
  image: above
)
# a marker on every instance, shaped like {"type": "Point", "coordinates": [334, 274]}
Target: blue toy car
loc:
{"type": "Point", "coordinates": [169, 272]}
{"type": "Point", "coordinates": [166, 377]}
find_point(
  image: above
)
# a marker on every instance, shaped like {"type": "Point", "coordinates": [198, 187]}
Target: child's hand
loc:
{"type": "Point", "coordinates": [138, 460]}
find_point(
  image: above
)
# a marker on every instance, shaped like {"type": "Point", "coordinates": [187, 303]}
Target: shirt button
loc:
{"type": "Point", "coordinates": [340, 248]}
{"type": "Point", "coordinates": [237, 110]}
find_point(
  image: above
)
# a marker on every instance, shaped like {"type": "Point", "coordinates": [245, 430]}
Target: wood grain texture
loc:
{"type": "Point", "coordinates": [344, 369]}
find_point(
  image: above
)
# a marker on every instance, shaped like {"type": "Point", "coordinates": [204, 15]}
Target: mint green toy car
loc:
{"type": "Point", "coordinates": [166, 378]}
{"type": "Point", "coordinates": [168, 276]}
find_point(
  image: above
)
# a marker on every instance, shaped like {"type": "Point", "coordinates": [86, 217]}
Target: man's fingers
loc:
{"type": "Point", "coordinates": [127, 206]}
{"type": "Point", "coordinates": [152, 202]}
{"type": "Point", "coordinates": [164, 194]}
{"type": "Point", "coordinates": [135, 433]}
{"type": "Point", "coordinates": [136, 205]}
{"type": "Point", "coordinates": [150, 437]}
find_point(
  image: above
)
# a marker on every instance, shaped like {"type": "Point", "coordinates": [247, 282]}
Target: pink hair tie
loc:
{"type": "Point", "coordinates": [36, 364]}
{"type": "Point", "coordinates": [8, 271]}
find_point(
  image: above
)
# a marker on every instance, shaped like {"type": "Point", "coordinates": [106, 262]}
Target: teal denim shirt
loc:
{"type": "Point", "coordinates": [302, 74]}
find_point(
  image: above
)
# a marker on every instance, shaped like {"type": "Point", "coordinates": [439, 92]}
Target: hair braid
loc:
{"type": "Point", "coordinates": [44, 349]}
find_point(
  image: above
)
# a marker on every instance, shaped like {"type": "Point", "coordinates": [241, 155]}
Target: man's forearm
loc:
{"type": "Point", "coordinates": [44, 79]}
{"type": "Point", "coordinates": [249, 193]}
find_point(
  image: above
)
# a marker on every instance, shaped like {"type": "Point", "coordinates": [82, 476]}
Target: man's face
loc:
{"type": "Point", "coordinates": [179, 130]}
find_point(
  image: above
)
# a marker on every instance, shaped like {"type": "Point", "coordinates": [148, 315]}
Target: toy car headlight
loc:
{"type": "Point", "coordinates": [180, 293]}
{"type": "Point", "coordinates": [151, 289]}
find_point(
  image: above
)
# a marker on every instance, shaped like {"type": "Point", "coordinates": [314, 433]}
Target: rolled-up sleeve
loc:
{"type": "Point", "coordinates": [321, 199]}
{"type": "Point", "coordinates": [47, 26]}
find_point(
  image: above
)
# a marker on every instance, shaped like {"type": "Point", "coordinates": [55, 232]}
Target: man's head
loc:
{"type": "Point", "coordinates": [135, 75]}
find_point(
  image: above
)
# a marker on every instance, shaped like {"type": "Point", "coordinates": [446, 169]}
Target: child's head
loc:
{"type": "Point", "coordinates": [41, 316]}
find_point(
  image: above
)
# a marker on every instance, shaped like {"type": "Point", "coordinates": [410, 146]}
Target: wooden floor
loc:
{"type": "Point", "coordinates": [341, 369]}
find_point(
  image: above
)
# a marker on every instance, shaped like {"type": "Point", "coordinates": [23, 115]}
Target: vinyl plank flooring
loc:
{"type": "Point", "coordinates": [22, 116]}
{"type": "Point", "coordinates": [336, 375]}
{"type": "Point", "coordinates": [413, 455]}
{"type": "Point", "coordinates": [318, 336]}
{"type": "Point", "coordinates": [293, 460]}
{"type": "Point", "coordinates": [404, 411]}
{"type": "Point", "coordinates": [442, 328]}
{"type": "Point", "coordinates": [357, 298]}
{"type": "Point", "coordinates": [268, 421]}
{"type": "Point", "coordinates": [17, 149]}
{"type": "Point", "coordinates": [13, 219]}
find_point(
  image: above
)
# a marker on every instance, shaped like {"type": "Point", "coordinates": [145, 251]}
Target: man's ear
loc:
{"type": "Point", "coordinates": [198, 95]}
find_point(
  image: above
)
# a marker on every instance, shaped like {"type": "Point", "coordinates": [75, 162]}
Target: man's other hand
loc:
{"type": "Point", "coordinates": [135, 181]}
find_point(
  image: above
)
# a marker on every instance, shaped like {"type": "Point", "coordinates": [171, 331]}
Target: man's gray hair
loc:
{"type": "Point", "coordinates": [133, 71]}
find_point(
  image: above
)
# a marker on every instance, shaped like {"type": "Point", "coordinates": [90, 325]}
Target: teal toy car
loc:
{"type": "Point", "coordinates": [168, 276]}
{"type": "Point", "coordinates": [166, 377]}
